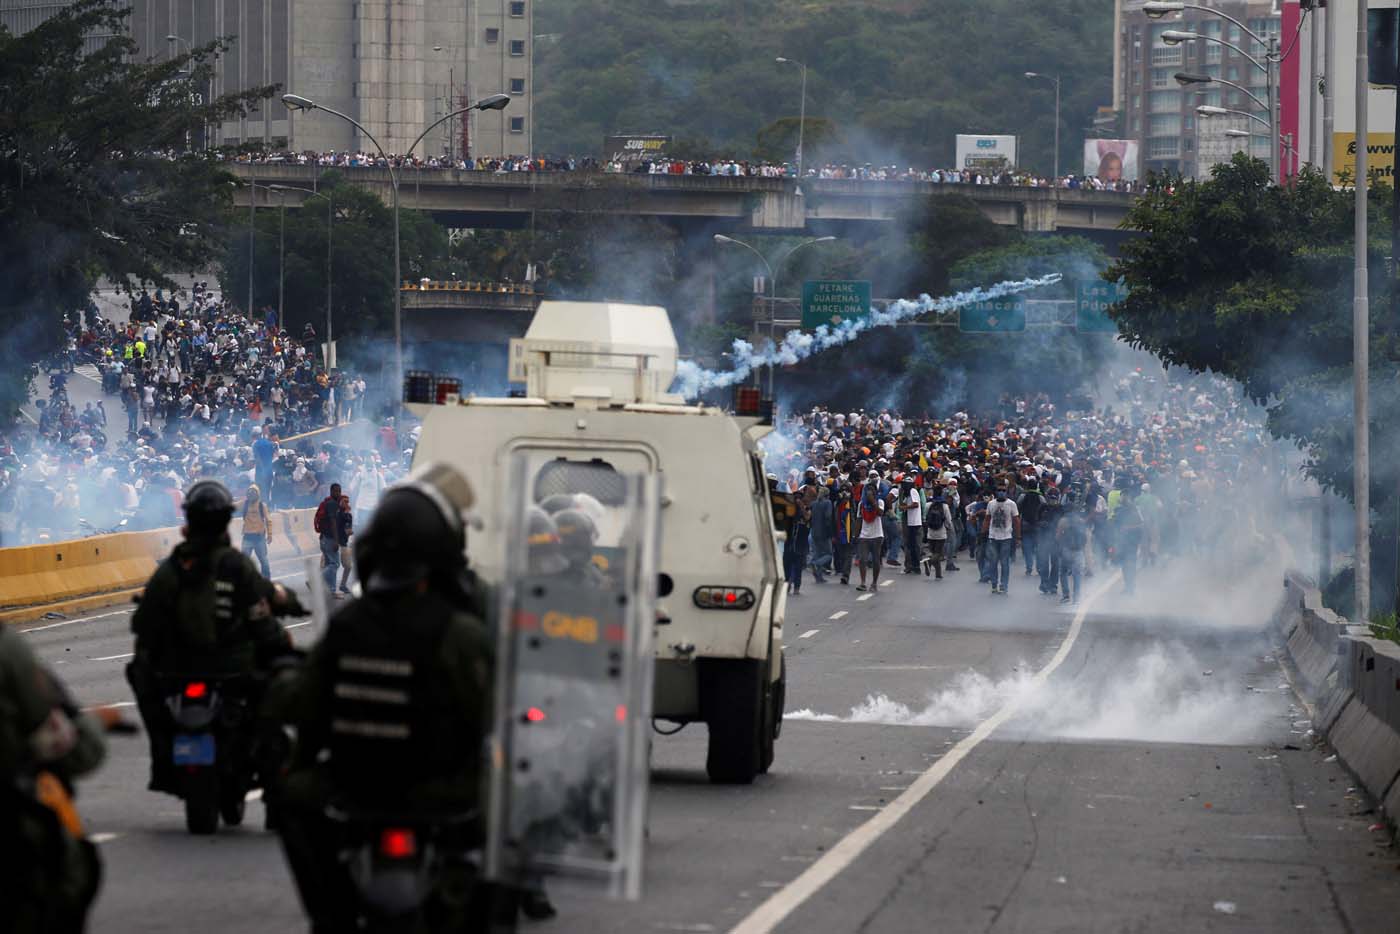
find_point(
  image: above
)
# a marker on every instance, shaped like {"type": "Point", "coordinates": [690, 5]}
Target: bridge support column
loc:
{"type": "Point", "coordinates": [1040, 215]}
{"type": "Point", "coordinates": [777, 210]}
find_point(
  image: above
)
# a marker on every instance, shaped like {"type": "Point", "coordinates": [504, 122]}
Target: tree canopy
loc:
{"type": "Point", "coordinates": [97, 178]}
{"type": "Point", "coordinates": [896, 79]}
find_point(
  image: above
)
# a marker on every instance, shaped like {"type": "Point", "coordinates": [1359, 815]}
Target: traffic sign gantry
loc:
{"type": "Point", "coordinates": [997, 314]}
{"type": "Point", "coordinates": [833, 301]}
{"type": "Point", "coordinates": [1092, 299]}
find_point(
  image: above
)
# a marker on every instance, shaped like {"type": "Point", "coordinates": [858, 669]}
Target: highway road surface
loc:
{"type": "Point", "coordinates": [951, 761]}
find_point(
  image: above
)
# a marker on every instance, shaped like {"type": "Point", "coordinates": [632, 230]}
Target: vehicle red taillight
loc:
{"type": "Point", "coordinates": [534, 715]}
{"type": "Point", "coordinates": [621, 713]}
{"type": "Point", "coordinates": [397, 843]}
{"type": "Point", "coordinates": [196, 690]}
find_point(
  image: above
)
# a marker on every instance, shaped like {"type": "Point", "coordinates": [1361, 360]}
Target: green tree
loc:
{"type": "Point", "coordinates": [96, 175]}
{"type": "Point", "coordinates": [1240, 277]}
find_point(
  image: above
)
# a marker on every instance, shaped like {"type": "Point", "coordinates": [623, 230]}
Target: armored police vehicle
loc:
{"type": "Point", "coordinates": [595, 406]}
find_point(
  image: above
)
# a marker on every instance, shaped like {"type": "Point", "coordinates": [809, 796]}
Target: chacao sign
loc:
{"type": "Point", "coordinates": [1380, 157]}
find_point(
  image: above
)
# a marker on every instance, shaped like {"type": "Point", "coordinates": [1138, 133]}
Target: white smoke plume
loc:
{"type": "Point", "coordinates": [692, 379]}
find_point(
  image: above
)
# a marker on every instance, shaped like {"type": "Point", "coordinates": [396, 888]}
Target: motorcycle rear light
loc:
{"type": "Point", "coordinates": [397, 843]}
{"type": "Point", "coordinates": [534, 715]}
{"type": "Point", "coordinates": [724, 598]}
{"type": "Point", "coordinates": [196, 690]}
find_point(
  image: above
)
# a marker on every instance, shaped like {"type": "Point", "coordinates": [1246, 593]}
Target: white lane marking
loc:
{"type": "Point", "coordinates": [886, 583]}
{"type": "Point", "coordinates": [95, 379]}
{"type": "Point", "coordinates": [809, 634]}
{"type": "Point", "coordinates": [32, 419]}
{"type": "Point", "coordinates": [113, 658]}
{"type": "Point", "coordinates": [102, 837]}
{"type": "Point", "coordinates": [837, 615]}
{"type": "Point", "coordinates": [120, 703]}
{"type": "Point", "coordinates": [784, 902]}
{"type": "Point", "coordinates": [74, 622]}
{"type": "Point", "coordinates": [865, 596]}
{"type": "Point", "coordinates": [254, 795]}
{"type": "Point", "coordinates": [297, 625]}
{"type": "Point", "coordinates": [864, 807]}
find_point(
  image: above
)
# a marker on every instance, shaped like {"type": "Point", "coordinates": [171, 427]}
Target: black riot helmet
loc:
{"type": "Point", "coordinates": [577, 533]}
{"type": "Point", "coordinates": [416, 531]}
{"type": "Point", "coordinates": [208, 508]}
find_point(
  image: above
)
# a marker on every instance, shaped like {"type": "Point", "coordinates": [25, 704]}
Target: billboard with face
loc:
{"type": "Point", "coordinates": [1111, 160]}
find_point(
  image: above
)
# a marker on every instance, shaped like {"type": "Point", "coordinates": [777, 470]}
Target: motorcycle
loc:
{"type": "Point", "coordinates": [211, 749]}
{"type": "Point", "coordinates": [409, 874]}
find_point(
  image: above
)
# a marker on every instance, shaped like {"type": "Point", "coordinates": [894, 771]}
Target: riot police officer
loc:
{"type": "Point", "coordinates": [205, 610]}
{"type": "Point", "coordinates": [49, 872]}
{"type": "Point", "coordinates": [393, 705]}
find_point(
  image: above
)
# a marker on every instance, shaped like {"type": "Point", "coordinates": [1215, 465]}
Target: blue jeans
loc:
{"type": "Point", "coordinates": [999, 560]}
{"type": "Point", "coordinates": [256, 545]}
{"type": "Point", "coordinates": [1028, 546]}
{"type": "Point", "coordinates": [330, 561]}
{"type": "Point", "coordinates": [1071, 565]}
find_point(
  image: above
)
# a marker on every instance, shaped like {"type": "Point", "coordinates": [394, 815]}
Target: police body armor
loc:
{"type": "Point", "coordinates": [386, 731]}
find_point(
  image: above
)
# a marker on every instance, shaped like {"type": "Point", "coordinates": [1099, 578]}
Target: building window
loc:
{"type": "Point", "coordinates": [517, 124]}
{"type": "Point", "coordinates": [517, 85]}
{"type": "Point", "coordinates": [1164, 102]}
{"type": "Point", "coordinates": [1164, 125]}
{"type": "Point", "coordinates": [1166, 55]}
{"type": "Point", "coordinates": [493, 35]}
{"type": "Point", "coordinates": [1167, 148]}
{"type": "Point", "coordinates": [517, 8]}
{"type": "Point", "coordinates": [517, 47]}
{"type": "Point", "coordinates": [1161, 77]}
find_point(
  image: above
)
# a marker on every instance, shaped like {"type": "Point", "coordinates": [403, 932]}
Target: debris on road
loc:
{"type": "Point", "coordinates": [1225, 908]}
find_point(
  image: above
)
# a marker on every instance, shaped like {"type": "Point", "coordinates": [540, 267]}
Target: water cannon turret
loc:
{"type": "Point", "coordinates": [597, 353]}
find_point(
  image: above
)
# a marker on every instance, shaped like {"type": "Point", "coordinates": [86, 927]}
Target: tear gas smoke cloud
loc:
{"type": "Point", "coordinates": [692, 379]}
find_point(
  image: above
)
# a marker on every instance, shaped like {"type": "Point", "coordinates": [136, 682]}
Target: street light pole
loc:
{"type": "Point", "coordinates": [1056, 79]}
{"type": "Point", "coordinates": [1361, 335]}
{"type": "Point", "coordinates": [494, 102]}
{"type": "Point", "coordinates": [330, 226]}
{"type": "Point", "coordinates": [801, 118]}
{"type": "Point", "coordinates": [772, 286]}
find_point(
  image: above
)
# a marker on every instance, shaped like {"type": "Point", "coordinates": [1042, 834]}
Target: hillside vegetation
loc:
{"type": "Point", "coordinates": [895, 80]}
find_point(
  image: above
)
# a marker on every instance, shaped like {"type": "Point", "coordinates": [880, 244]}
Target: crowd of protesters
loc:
{"type": "Point", "coordinates": [705, 167]}
{"type": "Point", "coordinates": [1170, 468]}
{"type": "Point", "coordinates": [191, 389]}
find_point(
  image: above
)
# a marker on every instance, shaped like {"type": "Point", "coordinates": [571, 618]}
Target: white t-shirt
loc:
{"type": "Point", "coordinates": [913, 510]}
{"type": "Point", "coordinates": [1000, 526]}
{"type": "Point", "coordinates": [940, 533]}
{"type": "Point", "coordinates": [874, 529]}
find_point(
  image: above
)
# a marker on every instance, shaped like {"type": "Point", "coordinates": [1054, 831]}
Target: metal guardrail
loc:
{"type": "Point", "coordinates": [455, 285]}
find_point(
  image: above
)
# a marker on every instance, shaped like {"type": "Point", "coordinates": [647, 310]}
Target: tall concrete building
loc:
{"type": "Point", "coordinates": [1160, 113]}
{"type": "Point", "coordinates": [393, 65]}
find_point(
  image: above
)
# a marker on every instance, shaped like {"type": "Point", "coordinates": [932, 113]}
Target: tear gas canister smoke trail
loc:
{"type": "Point", "coordinates": [796, 346]}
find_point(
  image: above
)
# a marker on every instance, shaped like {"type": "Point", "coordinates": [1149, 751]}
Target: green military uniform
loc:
{"type": "Point", "coordinates": [391, 710]}
{"type": "Point", "coordinates": [206, 611]}
{"type": "Point", "coordinates": [48, 877]}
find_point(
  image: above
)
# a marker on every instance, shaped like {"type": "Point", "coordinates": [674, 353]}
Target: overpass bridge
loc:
{"type": "Point", "coordinates": [461, 198]}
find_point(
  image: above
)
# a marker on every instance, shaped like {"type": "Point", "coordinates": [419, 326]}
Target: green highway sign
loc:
{"type": "Point", "coordinates": [998, 314]}
{"type": "Point", "coordinates": [832, 301]}
{"type": "Point", "coordinates": [1092, 299]}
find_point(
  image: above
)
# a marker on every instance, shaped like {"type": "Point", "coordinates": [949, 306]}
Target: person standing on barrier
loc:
{"type": "Point", "coordinates": [257, 528]}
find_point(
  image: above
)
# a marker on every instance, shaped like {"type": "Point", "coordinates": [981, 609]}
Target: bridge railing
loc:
{"type": "Point", "coordinates": [457, 285]}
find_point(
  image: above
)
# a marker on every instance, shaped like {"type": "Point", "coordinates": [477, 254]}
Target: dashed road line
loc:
{"type": "Point", "coordinates": [837, 615]}
{"type": "Point", "coordinates": [809, 634]}
{"type": "Point", "coordinates": [782, 903]}
{"type": "Point", "coordinates": [886, 583]}
{"type": "Point", "coordinates": [865, 596]}
{"type": "Point", "coordinates": [866, 807]}
{"type": "Point", "coordinates": [102, 837]}
{"type": "Point", "coordinates": [74, 622]}
{"type": "Point", "coordinates": [113, 658]}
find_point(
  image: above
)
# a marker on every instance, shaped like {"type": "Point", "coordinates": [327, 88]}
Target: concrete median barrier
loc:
{"type": "Point", "coordinates": [1353, 683]}
{"type": "Point", "coordinates": [88, 573]}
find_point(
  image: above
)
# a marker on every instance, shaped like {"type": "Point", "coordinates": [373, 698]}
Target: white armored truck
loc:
{"type": "Point", "coordinates": [596, 377]}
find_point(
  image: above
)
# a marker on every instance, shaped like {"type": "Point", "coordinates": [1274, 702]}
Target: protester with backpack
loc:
{"type": "Point", "coordinates": [940, 520]}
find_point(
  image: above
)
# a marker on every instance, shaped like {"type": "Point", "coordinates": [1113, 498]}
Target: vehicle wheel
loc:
{"type": "Point", "coordinates": [202, 802]}
{"type": "Point", "coordinates": [231, 807]}
{"type": "Point", "coordinates": [733, 701]}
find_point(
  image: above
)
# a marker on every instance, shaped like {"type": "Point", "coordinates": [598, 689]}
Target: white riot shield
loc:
{"type": "Point", "coordinates": [574, 674]}
{"type": "Point", "coordinates": [319, 601]}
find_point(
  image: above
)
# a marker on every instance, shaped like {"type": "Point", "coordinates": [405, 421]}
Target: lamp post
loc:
{"type": "Point", "coordinates": [801, 117]}
{"type": "Point", "coordinates": [1056, 79]}
{"type": "Point", "coordinates": [494, 102]}
{"type": "Point", "coordinates": [1270, 65]}
{"type": "Point", "coordinates": [772, 284]}
{"type": "Point", "coordinates": [281, 242]}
